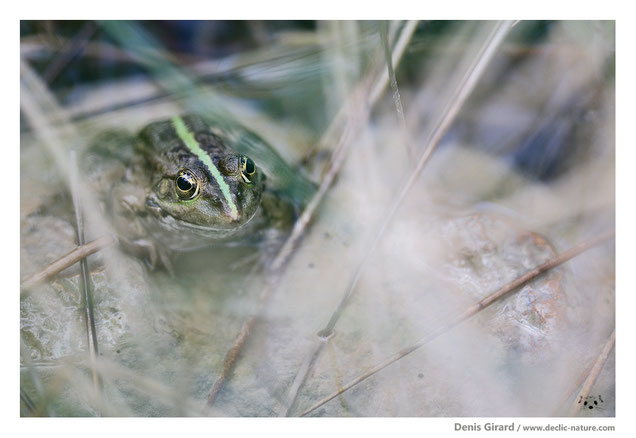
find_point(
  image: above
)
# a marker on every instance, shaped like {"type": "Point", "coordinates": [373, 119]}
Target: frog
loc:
{"type": "Point", "coordinates": [181, 184]}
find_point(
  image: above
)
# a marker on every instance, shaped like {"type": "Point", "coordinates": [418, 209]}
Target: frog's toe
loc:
{"type": "Point", "coordinates": [164, 260]}
{"type": "Point", "coordinates": [154, 255]}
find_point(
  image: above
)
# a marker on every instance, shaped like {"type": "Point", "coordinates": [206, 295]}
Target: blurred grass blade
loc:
{"type": "Point", "coordinates": [360, 109]}
{"type": "Point", "coordinates": [70, 51]}
{"type": "Point", "coordinates": [352, 114]}
{"type": "Point", "coordinates": [394, 88]}
{"type": "Point", "coordinates": [462, 92]}
{"type": "Point", "coordinates": [50, 125]}
{"type": "Point", "coordinates": [474, 72]}
{"type": "Point", "coordinates": [349, 115]}
{"type": "Point", "coordinates": [85, 282]}
{"type": "Point", "coordinates": [27, 401]}
{"type": "Point", "coordinates": [593, 375]}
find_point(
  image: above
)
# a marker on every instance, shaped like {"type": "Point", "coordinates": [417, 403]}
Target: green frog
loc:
{"type": "Point", "coordinates": [186, 183]}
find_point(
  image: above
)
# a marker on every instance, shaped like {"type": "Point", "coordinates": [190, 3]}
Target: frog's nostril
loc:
{"type": "Point", "coordinates": [229, 165]}
{"type": "Point", "coordinates": [155, 208]}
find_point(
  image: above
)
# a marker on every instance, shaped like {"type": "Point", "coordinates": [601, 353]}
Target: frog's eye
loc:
{"type": "Point", "coordinates": [247, 167]}
{"type": "Point", "coordinates": [187, 185]}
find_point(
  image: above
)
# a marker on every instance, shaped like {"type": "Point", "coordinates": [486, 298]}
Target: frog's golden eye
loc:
{"type": "Point", "coordinates": [247, 167]}
{"type": "Point", "coordinates": [187, 185]}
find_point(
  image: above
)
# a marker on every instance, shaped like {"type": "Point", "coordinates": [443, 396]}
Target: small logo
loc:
{"type": "Point", "coordinates": [591, 402]}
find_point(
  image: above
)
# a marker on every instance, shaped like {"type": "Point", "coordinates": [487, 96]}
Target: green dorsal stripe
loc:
{"type": "Point", "coordinates": [188, 139]}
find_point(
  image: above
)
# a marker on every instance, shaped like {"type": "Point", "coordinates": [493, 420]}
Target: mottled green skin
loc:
{"type": "Point", "coordinates": [141, 195]}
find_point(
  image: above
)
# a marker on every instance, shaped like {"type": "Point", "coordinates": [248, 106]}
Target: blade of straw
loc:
{"type": "Point", "coordinates": [66, 261]}
{"type": "Point", "coordinates": [471, 311]}
{"type": "Point", "coordinates": [42, 112]}
{"type": "Point", "coordinates": [358, 102]}
{"type": "Point", "coordinates": [593, 375]}
{"type": "Point", "coordinates": [394, 88]}
{"type": "Point", "coordinates": [466, 86]}
{"type": "Point", "coordinates": [85, 283]}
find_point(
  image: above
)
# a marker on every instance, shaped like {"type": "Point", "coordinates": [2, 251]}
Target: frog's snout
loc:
{"type": "Point", "coordinates": [234, 216]}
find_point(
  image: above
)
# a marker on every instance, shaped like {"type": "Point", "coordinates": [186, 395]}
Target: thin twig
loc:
{"type": "Point", "coordinates": [302, 372]}
{"type": "Point", "coordinates": [386, 76]}
{"type": "Point", "coordinates": [73, 47]}
{"type": "Point", "coordinates": [472, 310]}
{"type": "Point", "coordinates": [230, 358]}
{"type": "Point", "coordinates": [465, 88]}
{"type": "Point", "coordinates": [354, 113]}
{"type": "Point", "coordinates": [400, 46]}
{"type": "Point", "coordinates": [394, 88]}
{"type": "Point", "coordinates": [32, 47]}
{"type": "Point", "coordinates": [579, 381]}
{"type": "Point", "coordinates": [52, 127]}
{"type": "Point", "coordinates": [358, 107]}
{"type": "Point", "coordinates": [467, 84]}
{"type": "Point", "coordinates": [41, 110]}
{"type": "Point", "coordinates": [85, 281]}
{"type": "Point", "coordinates": [279, 262]}
{"type": "Point", "coordinates": [374, 93]}
{"type": "Point", "coordinates": [27, 401]}
{"type": "Point", "coordinates": [67, 261]}
{"type": "Point", "coordinates": [593, 375]}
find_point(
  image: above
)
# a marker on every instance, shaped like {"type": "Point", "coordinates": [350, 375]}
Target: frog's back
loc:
{"type": "Point", "coordinates": [160, 136]}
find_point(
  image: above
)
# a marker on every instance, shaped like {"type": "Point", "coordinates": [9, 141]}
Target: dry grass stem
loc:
{"type": "Point", "coordinates": [462, 92]}
{"type": "Point", "coordinates": [358, 107]}
{"type": "Point", "coordinates": [474, 309]}
{"type": "Point", "coordinates": [593, 374]}
{"type": "Point", "coordinates": [66, 261]}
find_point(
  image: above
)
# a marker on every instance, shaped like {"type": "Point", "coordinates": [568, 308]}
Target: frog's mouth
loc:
{"type": "Point", "coordinates": [168, 222]}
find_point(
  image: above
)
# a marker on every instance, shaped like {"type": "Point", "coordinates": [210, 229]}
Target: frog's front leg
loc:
{"type": "Point", "coordinates": [129, 211]}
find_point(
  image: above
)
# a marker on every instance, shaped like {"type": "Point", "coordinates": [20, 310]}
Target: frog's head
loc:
{"type": "Point", "coordinates": [198, 182]}
{"type": "Point", "coordinates": [225, 197]}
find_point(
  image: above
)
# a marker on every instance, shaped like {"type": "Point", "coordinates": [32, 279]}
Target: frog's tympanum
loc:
{"type": "Point", "coordinates": [181, 185]}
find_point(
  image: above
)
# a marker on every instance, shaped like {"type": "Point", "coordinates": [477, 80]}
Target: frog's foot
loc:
{"type": "Point", "coordinates": [154, 255]}
{"type": "Point", "coordinates": [162, 258]}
